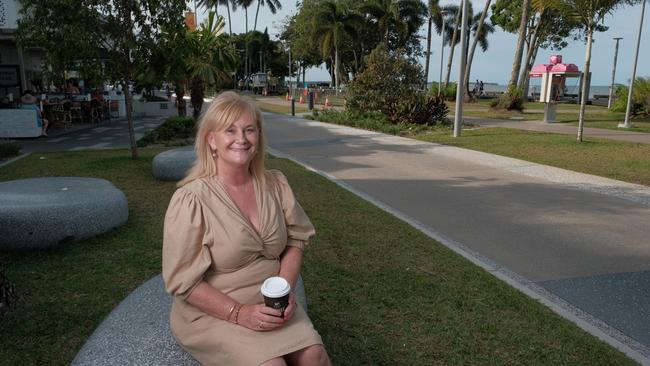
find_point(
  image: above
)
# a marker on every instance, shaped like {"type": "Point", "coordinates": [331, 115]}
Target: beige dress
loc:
{"type": "Point", "coordinates": [207, 238]}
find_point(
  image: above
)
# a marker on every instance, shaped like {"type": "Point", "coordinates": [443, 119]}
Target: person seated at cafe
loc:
{"type": "Point", "coordinates": [28, 101]}
{"type": "Point", "coordinates": [5, 103]}
{"type": "Point", "coordinates": [72, 89]}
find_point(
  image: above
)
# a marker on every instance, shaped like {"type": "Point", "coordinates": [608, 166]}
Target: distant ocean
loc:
{"type": "Point", "coordinates": [571, 87]}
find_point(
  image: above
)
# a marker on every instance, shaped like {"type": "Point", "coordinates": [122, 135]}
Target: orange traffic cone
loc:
{"type": "Point", "coordinates": [302, 100]}
{"type": "Point", "coordinates": [327, 102]}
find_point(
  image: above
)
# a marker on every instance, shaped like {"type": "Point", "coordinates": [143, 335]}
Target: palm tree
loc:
{"type": "Point", "coordinates": [396, 18]}
{"type": "Point", "coordinates": [333, 22]}
{"type": "Point", "coordinates": [521, 38]}
{"type": "Point", "coordinates": [480, 29]}
{"type": "Point", "coordinates": [452, 27]}
{"type": "Point", "coordinates": [214, 3]}
{"type": "Point", "coordinates": [589, 13]}
{"type": "Point", "coordinates": [274, 6]}
{"type": "Point", "coordinates": [434, 17]}
{"type": "Point", "coordinates": [211, 59]}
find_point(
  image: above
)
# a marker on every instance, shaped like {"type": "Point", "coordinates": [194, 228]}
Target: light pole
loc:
{"type": "Point", "coordinates": [611, 87]}
{"type": "Point", "coordinates": [442, 50]}
{"type": "Point", "coordinates": [458, 117]}
{"type": "Point", "coordinates": [627, 123]}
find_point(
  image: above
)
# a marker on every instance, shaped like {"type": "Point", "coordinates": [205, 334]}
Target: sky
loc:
{"type": "Point", "coordinates": [494, 65]}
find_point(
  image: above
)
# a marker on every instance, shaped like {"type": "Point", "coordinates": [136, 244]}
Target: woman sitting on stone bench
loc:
{"type": "Point", "coordinates": [28, 101]}
{"type": "Point", "coordinates": [230, 225]}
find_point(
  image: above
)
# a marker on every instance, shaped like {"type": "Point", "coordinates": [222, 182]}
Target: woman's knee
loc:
{"type": "Point", "coordinates": [312, 355]}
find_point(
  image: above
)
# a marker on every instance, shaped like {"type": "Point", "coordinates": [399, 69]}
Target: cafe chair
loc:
{"type": "Point", "coordinates": [96, 111]}
{"type": "Point", "coordinates": [76, 112]}
{"type": "Point", "coordinates": [62, 115]}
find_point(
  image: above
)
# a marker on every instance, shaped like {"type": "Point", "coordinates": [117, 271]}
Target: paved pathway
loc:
{"type": "Point", "coordinates": [579, 243]}
{"type": "Point", "coordinates": [108, 135]}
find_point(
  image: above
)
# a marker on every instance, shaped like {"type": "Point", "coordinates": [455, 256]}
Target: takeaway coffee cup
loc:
{"type": "Point", "coordinates": [276, 292]}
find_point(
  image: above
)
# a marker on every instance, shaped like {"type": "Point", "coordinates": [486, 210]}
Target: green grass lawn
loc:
{"type": "Point", "coordinates": [379, 291]}
{"type": "Point", "coordinates": [624, 161]}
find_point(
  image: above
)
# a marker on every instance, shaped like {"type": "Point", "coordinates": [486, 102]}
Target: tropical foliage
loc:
{"type": "Point", "coordinates": [640, 98]}
{"type": "Point", "coordinates": [390, 84]}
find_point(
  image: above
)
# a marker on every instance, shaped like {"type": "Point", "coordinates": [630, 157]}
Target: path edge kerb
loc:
{"type": "Point", "coordinates": [630, 347]}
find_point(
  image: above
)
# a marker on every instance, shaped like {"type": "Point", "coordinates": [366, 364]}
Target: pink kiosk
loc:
{"type": "Point", "coordinates": [554, 77]}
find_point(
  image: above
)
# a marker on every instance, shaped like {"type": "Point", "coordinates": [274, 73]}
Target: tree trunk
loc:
{"type": "Point", "coordinates": [428, 58]}
{"type": "Point", "coordinates": [531, 62]}
{"type": "Point", "coordinates": [585, 81]}
{"type": "Point", "coordinates": [516, 63]}
{"type": "Point", "coordinates": [259, 2]}
{"type": "Point", "coordinates": [196, 97]}
{"type": "Point", "coordinates": [336, 67]}
{"type": "Point", "coordinates": [128, 101]}
{"type": "Point", "coordinates": [180, 101]}
{"type": "Point", "coordinates": [479, 30]}
{"type": "Point", "coordinates": [452, 45]}
{"type": "Point", "coordinates": [229, 19]}
{"type": "Point", "coordinates": [529, 54]}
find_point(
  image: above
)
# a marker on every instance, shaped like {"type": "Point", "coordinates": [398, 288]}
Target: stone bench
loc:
{"type": "Point", "coordinates": [137, 331]}
{"type": "Point", "coordinates": [45, 212]}
{"type": "Point", "coordinates": [19, 123]}
{"type": "Point", "coordinates": [171, 165]}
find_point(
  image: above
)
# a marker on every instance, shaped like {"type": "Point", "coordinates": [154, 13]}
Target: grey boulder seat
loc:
{"type": "Point", "coordinates": [137, 331]}
{"type": "Point", "coordinates": [171, 165]}
{"type": "Point", "coordinates": [45, 212]}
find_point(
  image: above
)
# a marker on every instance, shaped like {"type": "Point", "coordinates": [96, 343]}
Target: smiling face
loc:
{"type": "Point", "coordinates": [237, 145]}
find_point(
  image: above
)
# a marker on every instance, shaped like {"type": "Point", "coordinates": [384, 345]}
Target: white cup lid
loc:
{"type": "Point", "coordinates": [275, 287]}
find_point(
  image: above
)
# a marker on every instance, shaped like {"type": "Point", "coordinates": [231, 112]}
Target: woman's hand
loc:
{"type": "Point", "coordinates": [260, 317]}
{"type": "Point", "coordinates": [291, 308]}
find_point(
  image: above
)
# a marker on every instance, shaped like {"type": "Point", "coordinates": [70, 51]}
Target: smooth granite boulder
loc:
{"type": "Point", "coordinates": [137, 331]}
{"type": "Point", "coordinates": [172, 164]}
{"type": "Point", "coordinates": [45, 212]}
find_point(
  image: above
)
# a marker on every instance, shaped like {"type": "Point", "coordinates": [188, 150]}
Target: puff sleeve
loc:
{"type": "Point", "coordinates": [300, 230]}
{"type": "Point", "coordinates": [186, 255]}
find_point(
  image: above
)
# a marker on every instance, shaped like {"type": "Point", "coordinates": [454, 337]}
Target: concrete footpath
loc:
{"type": "Point", "coordinates": [578, 243]}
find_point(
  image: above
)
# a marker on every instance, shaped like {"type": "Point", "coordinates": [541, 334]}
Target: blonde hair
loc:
{"type": "Point", "coordinates": [225, 110]}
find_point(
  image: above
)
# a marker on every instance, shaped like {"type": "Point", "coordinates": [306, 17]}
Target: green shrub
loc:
{"type": "Point", "coordinates": [513, 99]}
{"type": "Point", "coordinates": [174, 128]}
{"type": "Point", "coordinates": [448, 93]}
{"type": "Point", "coordinates": [8, 149]}
{"type": "Point", "coordinates": [375, 121]}
{"type": "Point", "coordinates": [423, 109]}
{"type": "Point", "coordinates": [388, 78]}
{"type": "Point", "coordinates": [640, 98]}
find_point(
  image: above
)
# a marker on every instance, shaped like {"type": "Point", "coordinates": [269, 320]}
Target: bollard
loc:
{"type": "Point", "coordinates": [311, 100]}
{"type": "Point", "coordinates": [293, 107]}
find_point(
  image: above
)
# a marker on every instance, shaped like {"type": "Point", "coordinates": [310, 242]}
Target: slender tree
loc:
{"type": "Point", "coordinates": [274, 6]}
{"type": "Point", "coordinates": [519, 49]}
{"type": "Point", "coordinates": [333, 23]}
{"type": "Point", "coordinates": [589, 13]}
{"type": "Point", "coordinates": [434, 17]}
{"type": "Point", "coordinates": [452, 27]}
{"type": "Point", "coordinates": [208, 4]}
{"type": "Point", "coordinates": [480, 29]}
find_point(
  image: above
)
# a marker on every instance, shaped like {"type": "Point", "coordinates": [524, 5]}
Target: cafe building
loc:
{"type": "Point", "coordinates": [20, 69]}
